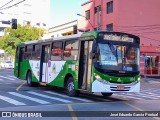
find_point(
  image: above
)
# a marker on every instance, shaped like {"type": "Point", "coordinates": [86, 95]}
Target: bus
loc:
{"type": "Point", "coordinates": [96, 62]}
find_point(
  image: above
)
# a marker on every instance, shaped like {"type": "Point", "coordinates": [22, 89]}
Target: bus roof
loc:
{"type": "Point", "coordinates": [68, 37]}
{"type": "Point", "coordinates": [82, 35]}
{"type": "Point", "coordinates": [51, 39]}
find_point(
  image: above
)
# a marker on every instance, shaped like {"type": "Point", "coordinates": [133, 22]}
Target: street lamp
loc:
{"type": "Point", "coordinates": [86, 19]}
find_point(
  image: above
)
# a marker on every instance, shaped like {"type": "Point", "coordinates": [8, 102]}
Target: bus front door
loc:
{"type": "Point", "coordinates": [85, 65]}
{"type": "Point", "coordinates": [44, 63]}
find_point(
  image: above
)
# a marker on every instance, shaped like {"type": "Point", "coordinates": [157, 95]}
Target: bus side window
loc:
{"type": "Point", "coordinates": [28, 52]}
{"type": "Point", "coordinates": [57, 50]}
{"type": "Point", "coordinates": [36, 52]}
{"type": "Point", "coordinates": [71, 50]}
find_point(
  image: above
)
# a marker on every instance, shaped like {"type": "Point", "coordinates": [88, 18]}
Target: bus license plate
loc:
{"type": "Point", "coordinates": [120, 87]}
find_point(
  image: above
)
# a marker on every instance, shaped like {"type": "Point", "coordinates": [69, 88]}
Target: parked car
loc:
{"type": "Point", "coordinates": [6, 64]}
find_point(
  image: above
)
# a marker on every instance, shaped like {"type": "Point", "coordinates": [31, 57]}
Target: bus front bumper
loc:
{"type": "Point", "coordinates": [98, 86]}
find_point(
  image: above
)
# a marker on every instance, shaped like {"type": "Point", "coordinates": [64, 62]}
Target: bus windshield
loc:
{"type": "Point", "coordinates": [111, 57]}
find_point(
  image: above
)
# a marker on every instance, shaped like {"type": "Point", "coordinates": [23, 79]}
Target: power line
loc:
{"type": "Point", "coordinates": [13, 5]}
{"type": "Point", "coordinates": [150, 38]}
{"type": "Point", "coordinates": [6, 4]}
{"type": "Point", "coordinates": [141, 25]}
{"type": "Point", "coordinates": [147, 32]}
{"type": "Point", "coordinates": [149, 27]}
{"type": "Point", "coordinates": [139, 29]}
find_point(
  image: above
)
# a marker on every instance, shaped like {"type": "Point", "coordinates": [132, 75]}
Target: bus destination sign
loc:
{"type": "Point", "coordinates": [114, 37]}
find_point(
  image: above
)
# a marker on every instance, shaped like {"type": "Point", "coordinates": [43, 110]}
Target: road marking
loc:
{"type": "Point", "coordinates": [8, 83]}
{"type": "Point", "coordinates": [137, 108]}
{"type": "Point", "coordinates": [144, 95]}
{"type": "Point", "coordinates": [12, 77]}
{"type": "Point", "coordinates": [17, 89]}
{"type": "Point", "coordinates": [74, 117]}
{"type": "Point", "coordinates": [29, 98]}
{"type": "Point", "coordinates": [148, 90]}
{"type": "Point", "coordinates": [12, 101]}
{"type": "Point", "coordinates": [80, 99]}
{"type": "Point", "coordinates": [7, 78]}
{"type": "Point", "coordinates": [125, 96]}
{"type": "Point", "coordinates": [53, 98]}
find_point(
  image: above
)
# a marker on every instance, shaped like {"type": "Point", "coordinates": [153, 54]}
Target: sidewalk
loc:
{"type": "Point", "coordinates": [150, 80]}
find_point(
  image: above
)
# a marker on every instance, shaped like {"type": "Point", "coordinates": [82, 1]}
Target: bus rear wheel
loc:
{"type": "Point", "coordinates": [29, 80]}
{"type": "Point", "coordinates": [70, 88]}
{"type": "Point", "coordinates": [106, 94]}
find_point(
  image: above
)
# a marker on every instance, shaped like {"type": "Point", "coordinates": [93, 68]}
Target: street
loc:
{"type": "Point", "coordinates": [15, 95]}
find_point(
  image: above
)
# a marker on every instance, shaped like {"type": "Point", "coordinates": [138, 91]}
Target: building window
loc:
{"type": "Point", "coordinates": [28, 22]}
{"type": "Point", "coordinates": [27, 13]}
{"type": "Point", "coordinates": [110, 7]}
{"type": "Point", "coordinates": [44, 24]}
{"type": "Point", "coordinates": [88, 14]}
{"type": "Point", "coordinates": [97, 9]}
{"type": "Point", "coordinates": [27, 5]}
{"type": "Point", "coordinates": [75, 29]}
{"type": "Point", "coordinates": [109, 27]}
{"type": "Point", "coordinates": [38, 24]}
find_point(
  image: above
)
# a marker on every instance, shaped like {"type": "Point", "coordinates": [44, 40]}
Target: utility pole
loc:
{"type": "Point", "coordinates": [86, 19]}
{"type": "Point", "coordinates": [98, 19]}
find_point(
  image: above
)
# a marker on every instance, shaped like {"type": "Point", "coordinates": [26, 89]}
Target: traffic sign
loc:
{"type": "Point", "coordinates": [6, 22]}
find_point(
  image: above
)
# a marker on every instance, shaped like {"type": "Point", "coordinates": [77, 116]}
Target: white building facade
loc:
{"type": "Point", "coordinates": [32, 12]}
{"type": "Point", "coordinates": [63, 29]}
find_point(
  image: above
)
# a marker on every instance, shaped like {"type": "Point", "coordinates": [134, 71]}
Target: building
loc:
{"type": "Point", "coordinates": [139, 17]}
{"type": "Point", "coordinates": [63, 29]}
{"type": "Point", "coordinates": [31, 12]}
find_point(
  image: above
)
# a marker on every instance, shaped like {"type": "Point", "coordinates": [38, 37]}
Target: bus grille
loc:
{"type": "Point", "coordinates": [120, 82]}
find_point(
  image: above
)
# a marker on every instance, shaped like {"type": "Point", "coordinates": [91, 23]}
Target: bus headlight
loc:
{"type": "Point", "coordinates": [97, 76]}
{"type": "Point", "coordinates": [100, 79]}
{"type": "Point", "coordinates": [139, 78]}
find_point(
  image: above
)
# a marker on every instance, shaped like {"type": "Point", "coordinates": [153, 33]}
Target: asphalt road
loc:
{"type": "Point", "coordinates": [15, 95]}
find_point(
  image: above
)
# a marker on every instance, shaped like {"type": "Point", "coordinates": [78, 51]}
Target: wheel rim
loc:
{"type": "Point", "coordinates": [29, 80]}
{"type": "Point", "coordinates": [70, 87]}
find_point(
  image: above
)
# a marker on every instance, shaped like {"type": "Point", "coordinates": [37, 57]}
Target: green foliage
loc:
{"type": "Point", "coordinates": [21, 34]}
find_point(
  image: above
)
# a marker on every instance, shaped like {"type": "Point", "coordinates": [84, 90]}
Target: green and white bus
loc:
{"type": "Point", "coordinates": [98, 61]}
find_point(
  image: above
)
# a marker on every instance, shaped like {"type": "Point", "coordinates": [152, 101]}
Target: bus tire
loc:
{"type": "Point", "coordinates": [105, 95]}
{"type": "Point", "coordinates": [70, 88]}
{"type": "Point", "coordinates": [30, 83]}
{"type": "Point", "coordinates": [29, 79]}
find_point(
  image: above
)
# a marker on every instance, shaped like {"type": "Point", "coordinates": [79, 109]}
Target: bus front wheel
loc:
{"type": "Point", "coordinates": [70, 88]}
{"type": "Point", "coordinates": [106, 94]}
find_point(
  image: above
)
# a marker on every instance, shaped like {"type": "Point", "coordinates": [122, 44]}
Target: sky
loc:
{"type": "Point", "coordinates": [63, 11]}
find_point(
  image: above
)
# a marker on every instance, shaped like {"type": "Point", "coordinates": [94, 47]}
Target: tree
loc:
{"type": "Point", "coordinates": [22, 34]}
